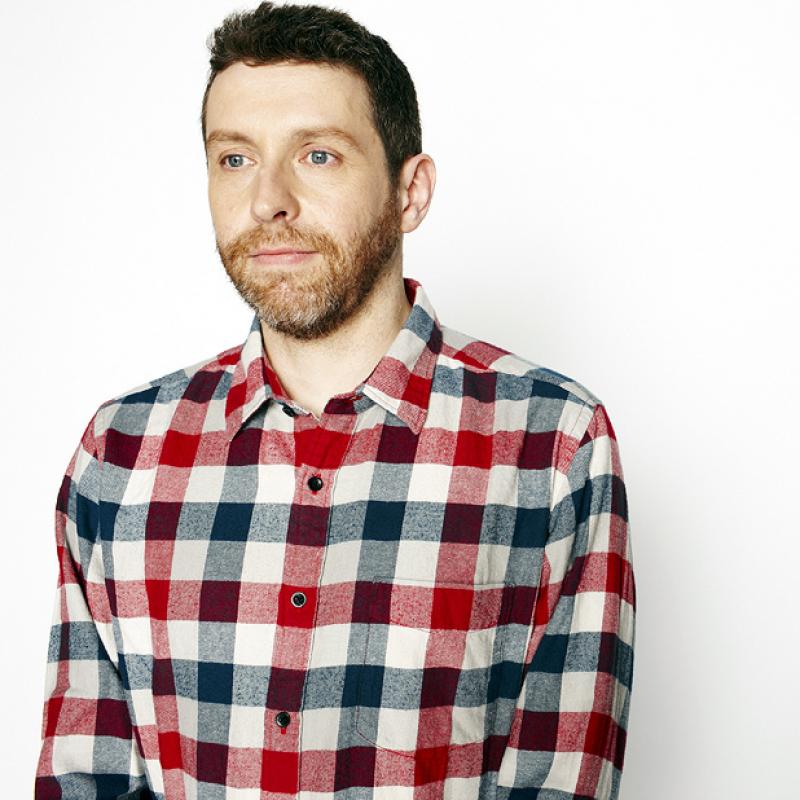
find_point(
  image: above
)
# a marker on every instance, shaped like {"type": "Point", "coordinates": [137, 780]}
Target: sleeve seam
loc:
{"type": "Point", "coordinates": [554, 512]}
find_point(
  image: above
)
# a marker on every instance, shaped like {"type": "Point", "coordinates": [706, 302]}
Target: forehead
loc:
{"type": "Point", "coordinates": [277, 96]}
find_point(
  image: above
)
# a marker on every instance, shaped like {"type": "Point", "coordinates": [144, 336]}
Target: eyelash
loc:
{"type": "Point", "coordinates": [236, 169]}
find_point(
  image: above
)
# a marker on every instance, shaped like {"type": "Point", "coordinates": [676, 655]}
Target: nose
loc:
{"type": "Point", "coordinates": [274, 198]}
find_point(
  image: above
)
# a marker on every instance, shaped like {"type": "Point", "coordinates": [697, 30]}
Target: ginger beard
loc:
{"type": "Point", "coordinates": [310, 300]}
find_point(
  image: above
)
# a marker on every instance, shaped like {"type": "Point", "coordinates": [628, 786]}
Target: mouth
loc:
{"type": "Point", "coordinates": [280, 251]}
{"type": "Point", "coordinates": [282, 255]}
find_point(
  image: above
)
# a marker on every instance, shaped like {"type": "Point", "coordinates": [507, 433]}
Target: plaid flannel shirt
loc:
{"type": "Point", "coordinates": [425, 593]}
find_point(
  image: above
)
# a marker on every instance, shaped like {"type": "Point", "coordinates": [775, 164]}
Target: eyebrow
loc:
{"type": "Point", "coordinates": [225, 135]}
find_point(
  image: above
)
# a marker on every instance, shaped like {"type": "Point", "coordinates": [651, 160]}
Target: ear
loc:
{"type": "Point", "coordinates": [417, 180]}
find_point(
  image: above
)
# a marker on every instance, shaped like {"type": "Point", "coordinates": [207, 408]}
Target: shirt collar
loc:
{"type": "Point", "coordinates": [400, 382]}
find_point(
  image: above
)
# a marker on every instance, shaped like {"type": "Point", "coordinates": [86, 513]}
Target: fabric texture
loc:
{"type": "Point", "coordinates": [426, 593]}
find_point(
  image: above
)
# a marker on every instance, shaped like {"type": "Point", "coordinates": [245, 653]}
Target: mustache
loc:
{"type": "Point", "coordinates": [288, 237]}
{"type": "Point", "coordinates": [257, 239]}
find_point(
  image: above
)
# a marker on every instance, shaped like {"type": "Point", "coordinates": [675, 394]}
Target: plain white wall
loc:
{"type": "Point", "coordinates": [618, 198]}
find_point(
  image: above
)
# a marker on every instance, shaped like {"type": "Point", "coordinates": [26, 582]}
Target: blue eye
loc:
{"type": "Point", "coordinates": [323, 152]}
{"type": "Point", "coordinates": [232, 155]}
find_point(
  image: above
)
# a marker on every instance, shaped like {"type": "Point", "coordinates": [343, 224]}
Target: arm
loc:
{"type": "Point", "coordinates": [88, 750]}
{"type": "Point", "coordinates": [567, 738]}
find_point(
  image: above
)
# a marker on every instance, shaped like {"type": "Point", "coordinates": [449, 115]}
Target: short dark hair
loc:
{"type": "Point", "coordinates": [311, 34]}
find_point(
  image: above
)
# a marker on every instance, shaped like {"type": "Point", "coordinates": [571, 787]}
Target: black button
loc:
{"type": "Point", "coordinates": [282, 719]}
{"type": "Point", "coordinates": [298, 599]}
{"type": "Point", "coordinates": [315, 483]}
{"type": "Point", "coordinates": [289, 410]}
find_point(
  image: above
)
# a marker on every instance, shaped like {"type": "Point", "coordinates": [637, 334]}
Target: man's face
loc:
{"type": "Point", "coordinates": [285, 185]}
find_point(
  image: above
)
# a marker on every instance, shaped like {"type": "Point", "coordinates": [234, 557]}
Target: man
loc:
{"type": "Point", "coordinates": [360, 555]}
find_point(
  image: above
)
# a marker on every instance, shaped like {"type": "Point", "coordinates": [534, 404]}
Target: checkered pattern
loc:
{"type": "Point", "coordinates": [432, 581]}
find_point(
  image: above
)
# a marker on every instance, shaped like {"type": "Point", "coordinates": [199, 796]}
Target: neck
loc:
{"type": "Point", "coordinates": [311, 372]}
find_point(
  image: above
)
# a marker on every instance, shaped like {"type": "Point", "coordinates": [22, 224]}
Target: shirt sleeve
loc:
{"type": "Point", "coordinates": [88, 751]}
{"type": "Point", "coordinates": [567, 738]}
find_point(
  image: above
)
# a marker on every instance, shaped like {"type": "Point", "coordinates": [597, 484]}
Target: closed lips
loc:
{"type": "Point", "coordinates": [280, 252]}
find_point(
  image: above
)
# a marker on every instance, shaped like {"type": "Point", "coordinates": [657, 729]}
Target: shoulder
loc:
{"type": "Point", "coordinates": [553, 408]}
{"type": "Point", "coordinates": [479, 356]}
{"type": "Point", "coordinates": [555, 411]}
{"type": "Point", "coordinates": [146, 408]}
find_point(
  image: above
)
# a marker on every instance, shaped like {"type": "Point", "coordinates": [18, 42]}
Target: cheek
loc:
{"type": "Point", "coordinates": [349, 222]}
{"type": "Point", "coordinates": [228, 191]}
{"type": "Point", "coordinates": [228, 214]}
{"type": "Point", "coordinates": [215, 203]}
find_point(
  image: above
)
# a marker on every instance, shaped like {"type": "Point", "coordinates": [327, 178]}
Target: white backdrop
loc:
{"type": "Point", "coordinates": [618, 198]}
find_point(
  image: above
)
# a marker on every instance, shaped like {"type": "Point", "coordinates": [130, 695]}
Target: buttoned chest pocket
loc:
{"type": "Point", "coordinates": [425, 676]}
